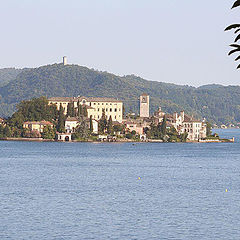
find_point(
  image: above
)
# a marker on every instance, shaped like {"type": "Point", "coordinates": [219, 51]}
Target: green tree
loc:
{"type": "Point", "coordinates": [164, 126]}
{"type": "Point", "coordinates": [91, 124]}
{"type": "Point", "coordinates": [85, 113]}
{"type": "Point", "coordinates": [61, 120]}
{"type": "Point", "coordinates": [70, 109]}
{"type": "Point", "coordinates": [48, 132]}
{"type": "Point", "coordinates": [209, 129]}
{"type": "Point", "coordinates": [102, 123]}
{"type": "Point", "coordinates": [110, 126]}
{"type": "Point", "coordinates": [7, 131]}
{"type": "Point", "coordinates": [236, 27]}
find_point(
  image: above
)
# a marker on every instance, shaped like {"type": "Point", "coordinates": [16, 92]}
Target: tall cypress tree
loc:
{"type": "Point", "coordinates": [85, 113]}
{"type": "Point", "coordinates": [91, 124]}
{"type": "Point", "coordinates": [110, 125]}
{"type": "Point", "coordinates": [69, 109]}
{"type": "Point", "coordinates": [61, 120]}
{"type": "Point", "coordinates": [102, 124]}
{"type": "Point", "coordinates": [164, 126]}
{"type": "Point", "coordinates": [72, 110]}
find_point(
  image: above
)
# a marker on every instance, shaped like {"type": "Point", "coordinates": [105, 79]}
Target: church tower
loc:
{"type": "Point", "coordinates": [144, 106]}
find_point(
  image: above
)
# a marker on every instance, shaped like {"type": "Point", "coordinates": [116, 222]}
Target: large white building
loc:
{"type": "Point", "coordinates": [95, 106]}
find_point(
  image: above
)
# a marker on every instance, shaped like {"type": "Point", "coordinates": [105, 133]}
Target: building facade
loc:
{"type": "Point", "coordinates": [183, 123]}
{"type": "Point", "coordinates": [37, 126]}
{"type": "Point", "coordinates": [144, 106]}
{"type": "Point", "coordinates": [95, 106]}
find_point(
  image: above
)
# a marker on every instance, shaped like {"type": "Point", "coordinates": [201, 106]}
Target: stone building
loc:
{"type": "Point", "coordinates": [144, 106]}
{"type": "Point", "coordinates": [95, 106]}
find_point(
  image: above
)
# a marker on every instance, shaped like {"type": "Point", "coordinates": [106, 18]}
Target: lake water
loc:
{"type": "Point", "coordinates": [120, 191]}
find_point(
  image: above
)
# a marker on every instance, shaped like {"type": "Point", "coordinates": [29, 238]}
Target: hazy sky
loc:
{"type": "Point", "coordinates": [177, 41]}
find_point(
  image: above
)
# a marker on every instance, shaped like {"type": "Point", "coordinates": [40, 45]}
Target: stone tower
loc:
{"type": "Point", "coordinates": [64, 60]}
{"type": "Point", "coordinates": [144, 105]}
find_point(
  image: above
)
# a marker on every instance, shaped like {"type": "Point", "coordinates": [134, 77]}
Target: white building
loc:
{"type": "Point", "coordinates": [195, 129]}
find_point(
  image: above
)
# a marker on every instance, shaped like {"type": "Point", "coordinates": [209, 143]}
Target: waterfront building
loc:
{"type": "Point", "coordinates": [37, 125]}
{"type": "Point", "coordinates": [64, 137]}
{"type": "Point", "coordinates": [183, 123]}
{"type": "Point", "coordinates": [71, 123]}
{"type": "Point", "coordinates": [95, 106]}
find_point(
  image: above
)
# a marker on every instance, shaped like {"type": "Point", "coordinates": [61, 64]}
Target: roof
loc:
{"type": "Point", "coordinates": [88, 99]}
{"type": "Point", "coordinates": [72, 119]}
{"type": "Point", "coordinates": [39, 122]}
{"type": "Point", "coordinates": [102, 99]}
{"type": "Point", "coordinates": [190, 119]}
{"type": "Point", "coordinates": [61, 99]}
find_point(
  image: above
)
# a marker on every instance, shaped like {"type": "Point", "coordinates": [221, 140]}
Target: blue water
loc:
{"type": "Point", "coordinates": [92, 191]}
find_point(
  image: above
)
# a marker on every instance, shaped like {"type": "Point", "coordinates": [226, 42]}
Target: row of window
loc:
{"type": "Point", "coordinates": [110, 109]}
{"type": "Point", "coordinates": [102, 104]}
{"type": "Point", "coordinates": [98, 117]}
{"type": "Point", "coordinates": [198, 125]}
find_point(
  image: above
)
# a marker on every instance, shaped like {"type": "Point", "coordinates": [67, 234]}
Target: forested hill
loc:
{"type": "Point", "coordinates": [217, 103]}
{"type": "Point", "coordinates": [7, 75]}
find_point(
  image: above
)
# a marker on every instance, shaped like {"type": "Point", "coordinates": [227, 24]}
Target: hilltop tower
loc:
{"type": "Point", "coordinates": [64, 60]}
{"type": "Point", "coordinates": [144, 105]}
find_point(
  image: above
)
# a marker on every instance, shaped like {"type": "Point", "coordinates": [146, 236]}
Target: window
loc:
{"type": "Point", "coordinates": [119, 109]}
{"type": "Point", "coordinates": [115, 117]}
{"type": "Point", "coordinates": [98, 103]}
{"type": "Point", "coordinates": [106, 109]}
{"type": "Point", "coordinates": [98, 109]}
{"type": "Point", "coordinates": [106, 103]}
{"type": "Point", "coordinates": [94, 103]}
{"type": "Point", "coordinates": [102, 103]}
{"type": "Point", "coordinates": [115, 109]}
{"type": "Point", "coordinates": [110, 110]}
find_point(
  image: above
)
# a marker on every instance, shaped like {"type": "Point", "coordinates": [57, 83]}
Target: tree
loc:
{"type": "Point", "coordinates": [91, 124]}
{"type": "Point", "coordinates": [82, 131]}
{"type": "Point", "coordinates": [85, 113]}
{"type": "Point", "coordinates": [7, 131]}
{"type": "Point", "coordinates": [209, 131]}
{"type": "Point", "coordinates": [164, 126]}
{"type": "Point", "coordinates": [102, 124]}
{"type": "Point", "coordinates": [110, 126]}
{"type": "Point", "coordinates": [236, 27]}
{"type": "Point", "coordinates": [61, 120]}
{"type": "Point", "coordinates": [48, 132]}
{"type": "Point", "coordinates": [70, 109]}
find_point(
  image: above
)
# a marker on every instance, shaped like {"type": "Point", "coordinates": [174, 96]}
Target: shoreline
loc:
{"type": "Point", "coordinates": [232, 140]}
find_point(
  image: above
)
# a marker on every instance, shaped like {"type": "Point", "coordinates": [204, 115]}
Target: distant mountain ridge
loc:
{"type": "Point", "coordinates": [217, 103]}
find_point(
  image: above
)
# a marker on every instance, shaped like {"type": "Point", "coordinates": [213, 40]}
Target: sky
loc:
{"type": "Point", "coordinates": [181, 42]}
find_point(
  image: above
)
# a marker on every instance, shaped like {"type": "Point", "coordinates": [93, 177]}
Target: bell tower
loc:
{"type": "Point", "coordinates": [144, 106]}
